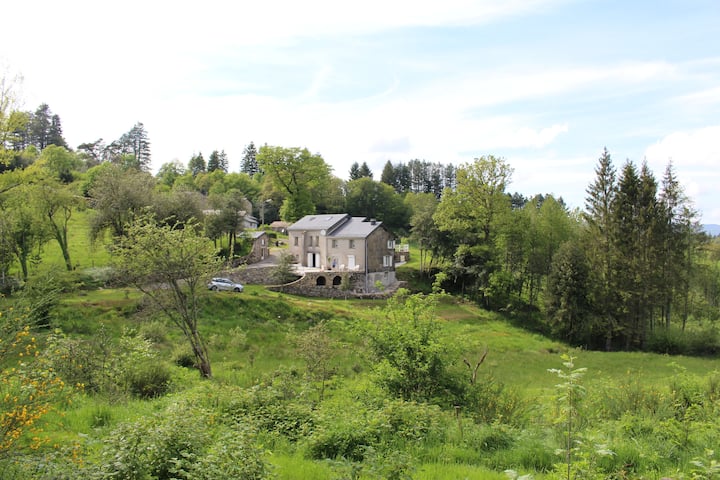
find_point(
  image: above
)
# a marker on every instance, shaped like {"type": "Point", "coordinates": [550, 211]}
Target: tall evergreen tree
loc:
{"type": "Point", "coordinates": [136, 142]}
{"type": "Point", "coordinates": [626, 239]}
{"type": "Point", "coordinates": [354, 171]}
{"type": "Point", "coordinates": [214, 162]}
{"type": "Point", "coordinates": [679, 237]}
{"type": "Point", "coordinates": [389, 175]}
{"type": "Point", "coordinates": [598, 217]}
{"type": "Point", "coordinates": [40, 123]}
{"type": "Point", "coordinates": [55, 133]}
{"type": "Point", "coordinates": [364, 171]}
{"type": "Point", "coordinates": [196, 164]}
{"type": "Point", "coordinates": [249, 160]}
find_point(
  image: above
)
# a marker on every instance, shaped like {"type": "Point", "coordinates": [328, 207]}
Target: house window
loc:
{"type": "Point", "coordinates": [387, 260]}
{"type": "Point", "coordinates": [391, 244]}
{"type": "Point", "coordinates": [317, 241]}
{"type": "Point", "coordinates": [262, 241]}
{"type": "Point", "coordinates": [334, 243]}
{"type": "Point", "coordinates": [297, 240]}
{"type": "Point", "coordinates": [352, 243]}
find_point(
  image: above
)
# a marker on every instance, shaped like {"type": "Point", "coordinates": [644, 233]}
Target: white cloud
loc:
{"type": "Point", "coordinates": [695, 155]}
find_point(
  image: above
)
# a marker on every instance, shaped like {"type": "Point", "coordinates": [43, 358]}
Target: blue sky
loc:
{"type": "Point", "coordinates": [546, 84]}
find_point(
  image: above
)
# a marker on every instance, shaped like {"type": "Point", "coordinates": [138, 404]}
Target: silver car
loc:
{"type": "Point", "coordinates": [224, 284]}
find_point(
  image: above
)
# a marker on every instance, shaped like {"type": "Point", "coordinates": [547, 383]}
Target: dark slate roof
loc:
{"type": "Point", "coordinates": [357, 227]}
{"type": "Point", "coordinates": [337, 225]}
{"type": "Point", "coordinates": [319, 222]}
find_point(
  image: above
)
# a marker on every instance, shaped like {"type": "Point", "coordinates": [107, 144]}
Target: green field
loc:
{"type": "Point", "coordinates": [134, 407]}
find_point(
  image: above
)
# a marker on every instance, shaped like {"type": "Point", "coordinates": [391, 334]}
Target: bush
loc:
{"type": "Point", "coordinates": [149, 380]}
{"type": "Point", "coordinates": [674, 341]}
{"type": "Point", "coordinates": [182, 442]}
{"type": "Point", "coordinates": [350, 432]}
{"type": "Point", "coordinates": [490, 401]}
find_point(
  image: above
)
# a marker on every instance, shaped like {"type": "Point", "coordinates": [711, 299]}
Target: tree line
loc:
{"type": "Point", "coordinates": [632, 265]}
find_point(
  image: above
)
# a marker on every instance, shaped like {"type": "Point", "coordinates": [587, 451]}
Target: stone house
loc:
{"type": "Point", "coordinates": [337, 243]}
{"type": "Point", "coordinates": [260, 249]}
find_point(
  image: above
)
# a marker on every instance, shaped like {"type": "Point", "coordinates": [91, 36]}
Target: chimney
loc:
{"type": "Point", "coordinates": [373, 221]}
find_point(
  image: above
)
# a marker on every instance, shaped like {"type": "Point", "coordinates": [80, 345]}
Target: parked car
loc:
{"type": "Point", "coordinates": [224, 284]}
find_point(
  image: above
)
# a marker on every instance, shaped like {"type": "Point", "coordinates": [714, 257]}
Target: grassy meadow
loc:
{"type": "Point", "coordinates": [134, 407]}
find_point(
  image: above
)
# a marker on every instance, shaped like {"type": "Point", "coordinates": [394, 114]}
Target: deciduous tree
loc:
{"type": "Point", "coordinates": [170, 266]}
{"type": "Point", "coordinates": [302, 176]}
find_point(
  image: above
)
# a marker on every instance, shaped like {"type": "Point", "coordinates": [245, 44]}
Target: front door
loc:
{"type": "Point", "coordinates": [313, 260]}
{"type": "Point", "coordinates": [351, 262]}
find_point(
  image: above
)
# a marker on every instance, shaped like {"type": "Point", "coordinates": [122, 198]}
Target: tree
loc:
{"type": "Point", "coordinates": [9, 101]}
{"type": "Point", "coordinates": [354, 171]}
{"type": "Point", "coordinates": [249, 160]}
{"type": "Point", "coordinates": [118, 196]}
{"type": "Point", "coordinates": [598, 218]}
{"type": "Point", "coordinates": [470, 215]}
{"type": "Point", "coordinates": [300, 175]}
{"type": "Point", "coordinates": [132, 149]}
{"type": "Point", "coordinates": [357, 171]}
{"type": "Point", "coordinates": [196, 165]}
{"type": "Point", "coordinates": [23, 232]}
{"type": "Point", "coordinates": [92, 153]}
{"type": "Point", "coordinates": [371, 199]}
{"type": "Point", "coordinates": [170, 265]}
{"type": "Point", "coordinates": [60, 161]}
{"type": "Point", "coordinates": [55, 204]}
{"type": "Point", "coordinates": [136, 142]}
{"type": "Point", "coordinates": [424, 230]}
{"type": "Point", "coordinates": [568, 302]}
{"type": "Point", "coordinates": [679, 236]}
{"type": "Point", "coordinates": [230, 208]}
{"type": "Point", "coordinates": [169, 172]}
{"type": "Point", "coordinates": [389, 175]}
{"type": "Point", "coordinates": [217, 161]}
{"type": "Point", "coordinates": [315, 347]}
{"type": "Point", "coordinates": [410, 359]}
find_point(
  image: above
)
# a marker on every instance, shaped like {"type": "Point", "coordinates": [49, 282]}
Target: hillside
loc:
{"type": "Point", "coordinates": [266, 394]}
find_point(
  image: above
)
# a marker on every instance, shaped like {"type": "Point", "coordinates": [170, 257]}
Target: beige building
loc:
{"type": "Point", "coordinates": [342, 243]}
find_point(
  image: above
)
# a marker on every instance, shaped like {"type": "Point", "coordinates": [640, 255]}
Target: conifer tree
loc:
{"type": "Point", "coordinates": [598, 217]}
{"type": "Point", "coordinates": [249, 160]}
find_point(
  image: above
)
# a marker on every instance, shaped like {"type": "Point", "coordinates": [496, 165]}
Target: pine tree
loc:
{"type": "Point", "coordinates": [213, 161]}
{"type": "Point", "coordinates": [196, 164]}
{"type": "Point", "coordinates": [364, 171]}
{"type": "Point", "coordinates": [55, 133]}
{"type": "Point", "coordinates": [598, 217]}
{"type": "Point", "coordinates": [626, 260]}
{"type": "Point", "coordinates": [249, 160]}
{"type": "Point", "coordinates": [389, 175]}
{"type": "Point", "coordinates": [354, 171]}
{"type": "Point", "coordinates": [679, 236]}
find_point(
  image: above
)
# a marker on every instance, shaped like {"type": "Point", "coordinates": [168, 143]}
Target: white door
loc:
{"type": "Point", "coordinates": [311, 260]}
{"type": "Point", "coordinates": [351, 262]}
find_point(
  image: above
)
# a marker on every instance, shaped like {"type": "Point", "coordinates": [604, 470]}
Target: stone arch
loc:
{"type": "Point", "coordinates": [321, 281]}
{"type": "Point", "coordinates": [337, 280]}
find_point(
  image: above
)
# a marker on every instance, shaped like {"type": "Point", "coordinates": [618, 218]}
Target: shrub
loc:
{"type": "Point", "coordinates": [148, 380]}
{"type": "Point", "coordinates": [488, 401]}
{"type": "Point", "coordinates": [182, 442]}
{"type": "Point", "coordinates": [153, 331]}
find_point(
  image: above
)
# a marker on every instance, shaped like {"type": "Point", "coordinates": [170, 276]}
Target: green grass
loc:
{"type": "Point", "coordinates": [517, 358]}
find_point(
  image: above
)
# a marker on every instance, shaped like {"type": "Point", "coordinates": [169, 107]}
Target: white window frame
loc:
{"type": "Point", "coordinates": [391, 244]}
{"type": "Point", "coordinates": [387, 260]}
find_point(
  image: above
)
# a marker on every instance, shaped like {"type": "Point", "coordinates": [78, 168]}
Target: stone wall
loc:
{"type": "Point", "coordinates": [314, 284]}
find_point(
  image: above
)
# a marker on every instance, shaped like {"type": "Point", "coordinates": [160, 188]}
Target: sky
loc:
{"type": "Point", "coordinates": [545, 84]}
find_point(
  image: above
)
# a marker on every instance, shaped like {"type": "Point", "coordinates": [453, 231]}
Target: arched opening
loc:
{"type": "Point", "coordinates": [321, 281]}
{"type": "Point", "coordinates": [337, 280]}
